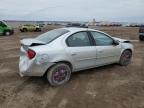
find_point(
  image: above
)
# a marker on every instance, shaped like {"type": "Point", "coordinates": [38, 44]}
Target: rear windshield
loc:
{"type": "Point", "coordinates": [51, 35]}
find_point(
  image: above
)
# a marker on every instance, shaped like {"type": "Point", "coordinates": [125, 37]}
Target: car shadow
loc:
{"type": "Point", "coordinates": [94, 70]}
{"type": "Point", "coordinates": [41, 82]}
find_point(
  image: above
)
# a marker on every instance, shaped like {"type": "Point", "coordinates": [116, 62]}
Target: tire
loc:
{"type": "Point", "coordinates": [141, 38]}
{"type": "Point", "coordinates": [59, 74]}
{"type": "Point", "coordinates": [125, 58]}
{"type": "Point", "coordinates": [24, 30]}
{"type": "Point", "coordinates": [37, 30]}
{"type": "Point", "coordinates": [7, 33]}
{"type": "Point", "coordinates": [21, 30]}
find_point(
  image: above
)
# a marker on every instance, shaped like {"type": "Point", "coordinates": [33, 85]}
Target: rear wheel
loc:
{"type": "Point", "coordinates": [141, 38]}
{"type": "Point", "coordinates": [21, 30]}
{"type": "Point", "coordinates": [125, 58]}
{"type": "Point", "coordinates": [24, 30]}
{"type": "Point", "coordinates": [38, 30]}
{"type": "Point", "coordinates": [59, 74]}
{"type": "Point", "coordinates": [7, 33]}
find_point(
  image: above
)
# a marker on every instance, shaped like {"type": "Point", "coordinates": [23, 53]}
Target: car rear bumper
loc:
{"type": "Point", "coordinates": [33, 69]}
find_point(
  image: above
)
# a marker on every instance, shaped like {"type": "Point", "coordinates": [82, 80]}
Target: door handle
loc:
{"type": "Point", "coordinates": [101, 51]}
{"type": "Point", "coordinates": [73, 54]}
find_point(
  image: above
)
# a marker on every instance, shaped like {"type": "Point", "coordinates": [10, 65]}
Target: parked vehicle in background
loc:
{"type": "Point", "coordinates": [41, 25]}
{"type": "Point", "coordinates": [77, 25]}
{"type": "Point", "coordinates": [29, 27]}
{"type": "Point", "coordinates": [58, 53]}
{"type": "Point", "coordinates": [141, 33]}
{"type": "Point", "coordinates": [5, 29]}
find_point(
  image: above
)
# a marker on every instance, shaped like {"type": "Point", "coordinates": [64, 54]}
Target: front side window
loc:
{"type": "Point", "coordinates": [2, 24]}
{"type": "Point", "coordinates": [78, 40]}
{"type": "Point", "coordinates": [102, 39]}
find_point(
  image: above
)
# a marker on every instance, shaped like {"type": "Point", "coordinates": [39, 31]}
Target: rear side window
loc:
{"type": "Point", "coordinates": [51, 35]}
{"type": "Point", "coordinates": [78, 40]}
{"type": "Point", "coordinates": [102, 39]}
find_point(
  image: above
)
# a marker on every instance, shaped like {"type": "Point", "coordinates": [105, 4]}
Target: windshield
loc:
{"type": "Point", "coordinates": [51, 35]}
{"type": "Point", "coordinates": [3, 23]}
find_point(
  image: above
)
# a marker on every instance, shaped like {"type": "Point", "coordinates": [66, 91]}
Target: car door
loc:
{"type": "Point", "coordinates": [1, 27]}
{"type": "Point", "coordinates": [80, 50]}
{"type": "Point", "coordinates": [33, 28]}
{"type": "Point", "coordinates": [30, 27]}
{"type": "Point", "coordinates": [107, 50]}
{"type": "Point", "coordinates": [27, 26]}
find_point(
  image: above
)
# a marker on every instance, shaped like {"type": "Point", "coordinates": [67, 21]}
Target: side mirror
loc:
{"type": "Point", "coordinates": [115, 42]}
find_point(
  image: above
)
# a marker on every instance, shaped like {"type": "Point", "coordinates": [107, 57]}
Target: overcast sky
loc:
{"type": "Point", "coordinates": [75, 10]}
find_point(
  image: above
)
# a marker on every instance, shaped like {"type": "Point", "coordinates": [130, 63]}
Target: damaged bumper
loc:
{"type": "Point", "coordinates": [28, 69]}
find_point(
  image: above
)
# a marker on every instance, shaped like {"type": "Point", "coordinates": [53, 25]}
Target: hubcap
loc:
{"type": "Point", "coordinates": [7, 33]}
{"type": "Point", "coordinates": [60, 74]}
{"type": "Point", "coordinates": [126, 57]}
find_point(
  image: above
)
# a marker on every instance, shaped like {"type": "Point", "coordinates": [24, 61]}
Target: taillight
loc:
{"type": "Point", "coordinates": [31, 54]}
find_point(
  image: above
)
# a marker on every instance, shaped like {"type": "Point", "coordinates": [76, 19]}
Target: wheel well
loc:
{"type": "Point", "coordinates": [128, 50]}
{"type": "Point", "coordinates": [6, 31]}
{"type": "Point", "coordinates": [66, 62]}
{"type": "Point", "coordinates": [24, 28]}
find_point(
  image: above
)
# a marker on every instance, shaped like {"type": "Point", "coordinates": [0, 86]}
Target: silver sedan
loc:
{"type": "Point", "coordinates": [59, 52]}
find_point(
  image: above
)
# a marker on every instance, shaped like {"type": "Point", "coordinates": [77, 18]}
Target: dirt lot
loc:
{"type": "Point", "coordinates": [110, 86]}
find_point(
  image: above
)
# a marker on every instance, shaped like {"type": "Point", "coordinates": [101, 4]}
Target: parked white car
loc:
{"type": "Point", "coordinates": [58, 53]}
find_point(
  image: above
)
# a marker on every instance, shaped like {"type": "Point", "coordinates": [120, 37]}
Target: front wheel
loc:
{"type": "Point", "coordinates": [38, 30]}
{"type": "Point", "coordinates": [125, 58]}
{"type": "Point", "coordinates": [59, 74]}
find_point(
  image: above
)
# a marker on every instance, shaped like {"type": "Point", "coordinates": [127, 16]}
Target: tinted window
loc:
{"type": "Point", "coordinates": [2, 24]}
{"type": "Point", "coordinates": [102, 39]}
{"type": "Point", "coordinates": [51, 35]}
{"type": "Point", "coordinates": [78, 39]}
{"type": "Point", "coordinates": [27, 25]}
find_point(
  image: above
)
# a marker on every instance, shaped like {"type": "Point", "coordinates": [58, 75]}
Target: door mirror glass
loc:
{"type": "Point", "coordinates": [115, 42]}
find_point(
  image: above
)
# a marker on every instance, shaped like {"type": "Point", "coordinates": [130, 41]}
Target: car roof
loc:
{"type": "Point", "coordinates": [77, 29]}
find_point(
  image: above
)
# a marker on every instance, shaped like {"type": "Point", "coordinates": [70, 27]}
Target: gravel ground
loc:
{"type": "Point", "coordinates": [111, 86]}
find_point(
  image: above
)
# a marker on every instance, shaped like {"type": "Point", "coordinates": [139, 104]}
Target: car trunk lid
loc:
{"type": "Point", "coordinates": [26, 43]}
